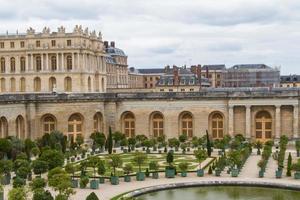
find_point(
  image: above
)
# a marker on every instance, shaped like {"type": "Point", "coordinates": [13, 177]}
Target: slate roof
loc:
{"type": "Point", "coordinates": [152, 71]}
{"type": "Point", "coordinates": [214, 67]}
{"type": "Point", "coordinates": [290, 78]}
{"type": "Point", "coordinates": [113, 51]}
{"type": "Point", "coordinates": [250, 66]}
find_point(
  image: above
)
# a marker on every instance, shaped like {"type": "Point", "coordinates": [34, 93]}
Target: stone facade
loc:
{"type": "Point", "coordinates": [52, 61]}
{"type": "Point", "coordinates": [257, 114]}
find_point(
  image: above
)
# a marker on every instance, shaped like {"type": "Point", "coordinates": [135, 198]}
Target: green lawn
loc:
{"type": "Point", "coordinates": [160, 158]}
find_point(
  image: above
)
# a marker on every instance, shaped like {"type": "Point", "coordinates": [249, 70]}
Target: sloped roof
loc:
{"type": "Point", "coordinates": [214, 67]}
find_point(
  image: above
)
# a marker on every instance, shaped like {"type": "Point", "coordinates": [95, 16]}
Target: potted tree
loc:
{"type": "Point", "coordinates": [235, 159]}
{"type": "Point", "coordinates": [101, 171]}
{"type": "Point", "coordinates": [201, 155]}
{"type": "Point", "coordinates": [276, 156]}
{"type": "Point", "coordinates": [115, 161]}
{"type": "Point", "coordinates": [93, 163]}
{"type": "Point", "coordinates": [183, 168]}
{"type": "Point", "coordinates": [84, 180]}
{"type": "Point", "coordinates": [170, 169]}
{"type": "Point", "coordinates": [6, 167]}
{"type": "Point", "coordinates": [71, 169]}
{"type": "Point", "coordinates": [296, 168]}
{"type": "Point", "coordinates": [298, 148]}
{"type": "Point", "coordinates": [261, 172]}
{"type": "Point", "coordinates": [139, 159]}
{"type": "Point", "coordinates": [39, 167]}
{"type": "Point", "coordinates": [127, 170]}
{"type": "Point", "coordinates": [153, 165]}
{"type": "Point", "coordinates": [258, 146]}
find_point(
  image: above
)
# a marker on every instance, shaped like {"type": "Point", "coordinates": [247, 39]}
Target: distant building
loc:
{"type": "Point", "coordinates": [290, 81]}
{"type": "Point", "coordinates": [180, 79]}
{"type": "Point", "coordinates": [116, 66]}
{"type": "Point", "coordinates": [135, 78]}
{"type": "Point", "coordinates": [151, 76]}
{"type": "Point", "coordinates": [252, 75]}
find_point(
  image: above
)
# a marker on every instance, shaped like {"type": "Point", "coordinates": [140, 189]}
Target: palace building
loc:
{"type": "Point", "coordinates": [58, 81]}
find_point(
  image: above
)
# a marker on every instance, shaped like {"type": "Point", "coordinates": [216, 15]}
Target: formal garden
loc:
{"type": "Point", "coordinates": [54, 168]}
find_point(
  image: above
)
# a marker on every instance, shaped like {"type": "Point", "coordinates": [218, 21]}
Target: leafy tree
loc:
{"type": "Point", "coordinates": [170, 158]}
{"type": "Point", "coordinates": [35, 151]}
{"type": "Point", "coordinates": [118, 136]}
{"type": "Point", "coordinates": [183, 166]}
{"type": "Point", "coordinates": [139, 158]}
{"type": "Point", "coordinates": [115, 161]}
{"type": "Point", "coordinates": [79, 140]}
{"type": "Point", "coordinates": [94, 162]}
{"type": "Point", "coordinates": [182, 138]}
{"type": "Point", "coordinates": [200, 155]}
{"type": "Point", "coordinates": [127, 168]}
{"type": "Point", "coordinates": [59, 180]}
{"type": "Point", "coordinates": [29, 145]}
{"type": "Point", "coordinates": [18, 182]}
{"type": "Point", "coordinates": [140, 138]}
{"type": "Point", "coordinates": [289, 165]}
{"type": "Point", "coordinates": [109, 141]}
{"type": "Point", "coordinates": [17, 194]}
{"type": "Point", "coordinates": [20, 163]}
{"type": "Point", "coordinates": [6, 167]}
{"type": "Point", "coordinates": [101, 167]}
{"type": "Point", "coordinates": [83, 166]}
{"type": "Point", "coordinates": [23, 171]}
{"type": "Point", "coordinates": [208, 144]}
{"type": "Point", "coordinates": [5, 147]}
{"type": "Point", "coordinates": [54, 158]}
{"type": "Point", "coordinates": [131, 142]}
{"type": "Point", "coordinates": [124, 142]}
{"type": "Point", "coordinates": [37, 183]}
{"type": "Point", "coordinates": [41, 194]}
{"type": "Point", "coordinates": [71, 169]}
{"type": "Point", "coordinates": [161, 138]}
{"type": "Point", "coordinates": [153, 165]}
{"type": "Point", "coordinates": [98, 139]}
{"type": "Point", "coordinates": [84, 180]}
{"type": "Point", "coordinates": [173, 142]}
{"type": "Point", "coordinates": [92, 196]}
{"type": "Point", "coordinates": [39, 166]}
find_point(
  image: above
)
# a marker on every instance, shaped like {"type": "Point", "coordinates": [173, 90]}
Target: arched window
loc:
{"type": "Point", "coordinates": [217, 125]}
{"type": "Point", "coordinates": [12, 84]}
{"type": "Point", "coordinates": [12, 65]}
{"type": "Point", "coordinates": [53, 63]}
{"type": "Point", "coordinates": [98, 122]}
{"type": "Point", "coordinates": [22, 64]}
{"type": "Point", "coordinates": [129, 124]}
{"type": "Point", "coordinates": [37, 84]}
{"type": "Point", "coordinates": [69, 63]}
{"type": "Point", "coordinates": [89, 84]}
{"type": "Point", "coordinates": [52, 83]}
{"type": "Point", "coordinates": [3, 127]}
{"type": "Point", "coordinates": [49, 124]}
{"type": "Point", "coordinates": [263, 125]}
{"type": "Point", "coordinates": [74, 127]}
{"type": "Point", "coordinates": [3, 86]}
{"type": "Point", "coordinates": [2, 65]}
{"type": "Point", "coordinates": [157, 125]}
{"type": "Point", "coordinates": [20, 127]}
{"type": "Point", "coordinates": [187, 125]}
{"type": "Point", "coordinates": [68, 84]}
{"type": "Point", "coordinates": [38, 63]}
{"type": "Point", "coordinates": [22, 85]}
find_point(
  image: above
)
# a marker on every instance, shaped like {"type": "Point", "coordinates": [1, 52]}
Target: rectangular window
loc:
{"type": "Point", "coordinates": [2, 45]}
{"type": "Point", "coordinates": [12, 45]}
{"type": "Point", "coordinates": [69, 43]}
{"type": "Point", "coordinates": [38, 43]}
{"type": "Point", "coordinates": [22, 44]}
{"type": "Point", "coordinates": [53, 43]}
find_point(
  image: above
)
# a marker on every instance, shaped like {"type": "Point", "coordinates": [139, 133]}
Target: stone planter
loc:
{"type": "Point", "coordinates": [183, 174]}
{"type": "Point", "coordinates": [140, 176]}
{"type": "Point", "coordinates": [101, 180]}
{"type": "Point", "coordinates": [94, 184]}
{"type": "Point", "coordinates": [170, 173]}
{"type": "Point", "coordinates": [278, 173]}
{"type": "Point", "coordinates": [114, 180]}
{"type": "Point", "coordinates": [74, 183]}
{"type": "Point", "coordinates": [297, 175]}
{"type": "Point", "coordinates": [200, 172]}
{"type": "Point", "coordinates": [127, 178]}
{"type": "Point", "coordinates": [218, 172]}
{"type": "Point", "coordinates": [261, 174]}
{"type": "Point", "coordinates": [234, 172]}
{"type": "Point", "coordinates": [155, 175]}
{"type": "Point", "coordinates": [1, 195]}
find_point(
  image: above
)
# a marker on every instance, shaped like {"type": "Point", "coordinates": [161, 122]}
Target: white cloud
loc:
{"type": "Point", "coordinates": [155, 33]}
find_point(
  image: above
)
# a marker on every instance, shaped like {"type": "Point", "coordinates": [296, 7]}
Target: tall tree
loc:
{"type": "Point", "coordinates": [208, 144]}
{"type": "Point", "coordinates": [110, 141]}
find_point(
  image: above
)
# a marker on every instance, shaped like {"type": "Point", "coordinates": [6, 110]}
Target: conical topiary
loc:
{"type": "Point", "coordinates": [92, 196]}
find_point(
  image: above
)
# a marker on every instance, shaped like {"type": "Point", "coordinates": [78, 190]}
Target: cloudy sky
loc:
{"type": "Point", "coordinates": [155, 33]}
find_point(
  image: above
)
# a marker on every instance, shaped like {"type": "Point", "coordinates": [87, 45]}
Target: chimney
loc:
{"type": "Point", "coordinates": [199, 75]}
{"type": "Point", "coordinates": [194, 69]}
{"type": "Point", "coordinates": [176, 75]}
{"type": "Point", "coordinates": [206, 71]}
{"type": "Point", "coordinates": [112, 44]}
{"type": "Point", "coordinates": [106, 44]}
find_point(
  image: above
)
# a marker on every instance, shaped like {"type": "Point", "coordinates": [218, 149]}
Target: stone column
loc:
{"type": "Point", "coordinates": [27, 63]}
{"type": "Point", "coordinates": [62, 62]}
{"type": "Point", "coordinates": [248, 121]}
{"type": "Point", "coordinates": [73, 61]}
{"type": "Point", "coordinates": [31, 63]}
{"type": "Point", "coordinates": [278, 122]}
{"type": "Point", "coordinates": [296, 121]}
{"type": "Point", "coordinates": [57, 62]}
{"type": "Point", "coordinates": [230, 120]}
{"type": "Point", "coordinates": [78, 62]}
{"type": "Point", "coordinates": [47, 62]}
{"type": "Point", "coordinates": [42, 62]}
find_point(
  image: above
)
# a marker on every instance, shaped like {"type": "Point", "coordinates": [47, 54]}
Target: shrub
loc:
{"type": "Point", "coordinates": [153, 165]}
{"type": "Point", "coordinates": [37, 183]}
{"type": "Point", "coordinates": [41, 194]}
{"type": "Point", "coordinates": [101, 167]}
{"type": "Point", "coordinates": [84, 180]}
{"type": "Point", "coordinates": [210, 170]}
{"type": "Point", "coordinates": [115, 161]}
{"type": "Point", "coordinates": [183, 166]}
{"type": "Point", "coordinates": [59, 180]}
{"type": "Point", "coordinates": [139, 158]}
{"type": "Point", "coordinates": [17, 194]}
{"type": "Point", "coordinates": [23, 172]}
{"type": "Point", "coordinates": [127, 169]}
{"type": "Point", "coordinates": [92, 196]}
{"type": "Point", "coordinates": [289, 165]}
{"type": "Point", "coordinates": [170, 158]}
{"type": "Point", "coordinates": [39, 166]}
{"type": "Point", "coordinates": [18, 182]}
{"type": "Point", "coordinates": [54, 158]}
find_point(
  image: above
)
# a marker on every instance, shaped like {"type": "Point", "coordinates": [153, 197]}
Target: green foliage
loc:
{"type": "Point", "coordinates": [20, 163]}
{"type": "Point", "coordinates": [289, 165]}
{"type": "Point", "coordinates": [208, 145]}
{"type": "Point", "coordinates": [173, 142]}
{"type": "Point", "coordinates": [182, 138]}
{"type": "Point", "coordinates": [18, 182]}
{"type": "Point", "coordinates": [170, 158]}
{"type": "Point", "coordinates": [41, 194]}
{"type": "Point", "coordinates": [161, 138]}
{"type": "Point", "coordinates": [153, 165]}
{"type": "Point", "coordinates": [6, 166]}
{"type": "Point", "coordinates": [93, 162]}
{"type": "Point", "coordinates": [29, 145]}
{"type": "Point", "coordinates": [139, 159]}
{"type": "Point", "coordinates": [200, 155]}
{"type": "Point", "coordinates": [101, 167]}
{"type": "Point", "coordinates": [39, 166]}
{"type": "Point", "coordinates": [92, 196]}
{"type": "Point", "coordinates": [118, 136]}
{"type": "Point", "coordinates": [210, 170]}
{"type": "Point", "coordinates": [5, 146]}
{"type": "Point", "coordinates": [109, 141]}
{"type": "Point", "coordinates": [183, 166]}
{"type": "Point", "coordinates": [128, 168]}
{"type": "Point", "coordinates": [84, 180]}
{"type": "Point", "coordinates": [98, 139]}
{"type": "Point", "coordinates": [296, 166]}
{"type": "Point", "coordinates": [71, 168]}
{"type": "Point", "coordinates": [17, 194]}
{"type": "Point", "coordinates": [54, 158]}
{"type": "Point", "coordinates": [35, 151]}
{"type": "Point", "coordinates": [140, 138]}
{"type": "Point", "coordinates": [59, 180]}
{"type": "Point", "coordinates": [235, 158]}
{"type": "Point", "coordinates": [79, 140]}
{"type": "Point", "coordinates": [23, 172]}
{"type": "Point", "coordinates": [37, 183]}
{"type": "Point", "coordinates": [115, 161]}
{"type": "Point", "coordinates": [297, 145]}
